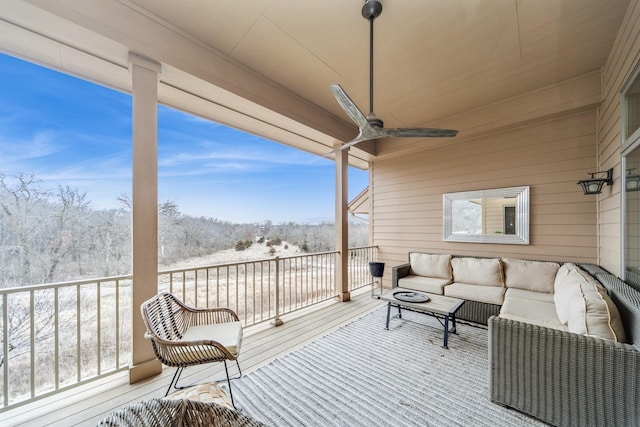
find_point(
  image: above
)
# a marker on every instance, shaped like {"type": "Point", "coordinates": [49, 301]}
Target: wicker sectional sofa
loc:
{"type": "Point", "coordinates": [547, 357]}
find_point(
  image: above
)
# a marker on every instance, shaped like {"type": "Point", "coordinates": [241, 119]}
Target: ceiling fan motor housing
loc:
{"type": "Point", "coordinates": [374, 121]}
{"type": "Point", "coordinates": [371, 9]}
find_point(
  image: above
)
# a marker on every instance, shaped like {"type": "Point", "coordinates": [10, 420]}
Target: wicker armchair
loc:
{"type": "Point", "coordinates": [178, 413]}
{"type": "Point", "coordinates": [183, 336]}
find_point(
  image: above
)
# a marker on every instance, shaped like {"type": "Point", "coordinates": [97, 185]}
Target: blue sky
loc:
{"type": "Point", "coordinates": [71, 132]}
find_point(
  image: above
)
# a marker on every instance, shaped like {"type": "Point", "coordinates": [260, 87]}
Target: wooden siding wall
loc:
{"type": "Point", "coordinates": [549, 156]}
{"type": "Point", "coordinates": [624, 56]}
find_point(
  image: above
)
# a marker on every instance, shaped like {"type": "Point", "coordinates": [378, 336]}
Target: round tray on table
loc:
{"type": "Point", "coordinates": [410, 296]}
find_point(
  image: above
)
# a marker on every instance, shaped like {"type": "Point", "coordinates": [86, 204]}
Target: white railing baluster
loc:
{"type": "Point", "coordinates": [5, 349]}
{"type": "Point", "coordinates": [246, 301]}
{"type": "Point", "coordinates": [98, 328]}
{"type": "Point", "coordinates": [117, 307]}
{"type": "Point", "coordinates": [56, 337]}
{"type": "Point", "coordinates": [269, 285]}
{"type": "Point", "coordinates": [206, 299]}
{"type": "Point", "coordinates": [78, 332]}
{"type": "Point", "coordinates": [184, 290]}
{"type": "Point", "coordinates": [253, 293]}
{"type": "Point", "coordinates": [195, 289]}
{"type": "Point", "coordinates": [217, 287]}
{"type": "Point", "coordinates": [32, 341]}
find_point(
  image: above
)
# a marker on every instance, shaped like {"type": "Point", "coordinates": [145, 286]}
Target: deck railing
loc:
{"type": "Point", "coordinates": [56, 336]}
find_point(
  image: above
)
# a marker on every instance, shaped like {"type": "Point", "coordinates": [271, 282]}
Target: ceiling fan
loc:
{"type": "Point", "coordinates": [371, 127]}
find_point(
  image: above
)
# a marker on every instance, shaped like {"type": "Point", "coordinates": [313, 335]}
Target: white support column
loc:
{"type": "Point", "coordinates": [342, 227]}
{"type": "Point", "coordinates": [145, 209]}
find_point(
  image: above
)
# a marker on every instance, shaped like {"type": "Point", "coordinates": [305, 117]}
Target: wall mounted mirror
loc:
{"type": "Point", "coordinates": [498, 215]}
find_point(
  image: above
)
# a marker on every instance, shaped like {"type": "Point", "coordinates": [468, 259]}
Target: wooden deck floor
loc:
{"type": "Point", "coordinates": [87, 405]}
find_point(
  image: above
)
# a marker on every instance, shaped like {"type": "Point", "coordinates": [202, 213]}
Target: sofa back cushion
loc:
{"type": "Point", "coordinates": [530, 275]}
{"type": "Point", "coordinates": [431, 265]}
{"type": "Point", "coordinates": [592, 313]}
{"type": "Point", "coordinates": [477, 271]}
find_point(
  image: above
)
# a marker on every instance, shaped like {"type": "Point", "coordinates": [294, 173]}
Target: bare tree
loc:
{"type": "Point", "coordinates": [22, 202]}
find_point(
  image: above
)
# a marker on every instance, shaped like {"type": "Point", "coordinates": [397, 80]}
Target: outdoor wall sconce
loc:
{"type": "Point", "coordinates": [594, 185]}
{"type": "Point", "coordinates": [631, 182]}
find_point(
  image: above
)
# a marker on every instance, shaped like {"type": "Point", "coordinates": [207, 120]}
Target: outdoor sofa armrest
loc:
{"type": "Point", "coordinates": [563, 378]}
{"type": "Point", "coordinates": [398, 272]}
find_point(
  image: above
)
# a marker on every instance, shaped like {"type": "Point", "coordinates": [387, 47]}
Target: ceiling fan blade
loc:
{"type": "Point", "coordinates": [417, 133]}
{"type": "Point", "coordinates": [346, 145]}
{"type": "Point", "coordinates": [348, 106]}
{"type": "Point", "coordinates": [371, 132]}
{"type": "Point", "coordinates": [366, 133]}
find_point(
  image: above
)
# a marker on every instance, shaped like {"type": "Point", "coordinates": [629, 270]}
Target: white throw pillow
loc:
{"type": "Point", "coordinates": [477, 271]}
{"type": "Point", "coordinates": [563, 274]}
{"type": "Point", "coordinates": [430, 265]}
{"type": "Point", "coordinates": [530, 275]}
{"type": "Point", "coordinates": [592, 313]}
{"type": "Point", "coordinates": [565, 285]}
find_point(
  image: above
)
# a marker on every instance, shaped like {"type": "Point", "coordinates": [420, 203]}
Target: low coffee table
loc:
{"type": "Point", "coordinates": [438, 306]}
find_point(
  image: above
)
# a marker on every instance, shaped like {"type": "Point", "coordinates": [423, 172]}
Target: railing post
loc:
{"type": "Point", "coordinates": [277, 321]}
{"type": "Point", "coordinates": [5, 349]}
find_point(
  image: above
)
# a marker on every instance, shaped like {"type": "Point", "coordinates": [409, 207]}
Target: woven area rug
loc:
{"type": "Point", "coordinates": [363, 375]}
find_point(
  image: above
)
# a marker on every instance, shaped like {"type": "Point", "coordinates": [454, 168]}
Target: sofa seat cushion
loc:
{"type": "Point", "coordinates": [477, 271]}
{"type": "Point", "coordinates": [473, 292]}
{"type": "Point", "coordinates": [431, 265]}
{"type": "Point", "coordinates": [536, 276]}
{"type": "Point", "coordinates": [530, 295]}
{"type": "Point", "coordinates": [432, 285]}
{"type": "Point", "coordinates": [536, 312]}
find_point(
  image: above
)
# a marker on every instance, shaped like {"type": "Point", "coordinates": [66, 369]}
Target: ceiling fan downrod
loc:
{"type": "Point", "coordinates": [370, 11]}
{"type": "Point", "coordinates": [370, 127]}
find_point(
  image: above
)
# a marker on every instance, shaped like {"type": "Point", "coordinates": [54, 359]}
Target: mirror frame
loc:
{"type": "Point", "coordinates": [522, 216]}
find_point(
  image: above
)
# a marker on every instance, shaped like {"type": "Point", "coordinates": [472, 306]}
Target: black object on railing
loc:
{"type": "Point", "coordinates": [376, 269]}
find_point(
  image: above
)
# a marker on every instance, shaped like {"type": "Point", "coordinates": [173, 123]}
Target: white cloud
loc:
{"type": "Point", "coordinates": [41, 144]}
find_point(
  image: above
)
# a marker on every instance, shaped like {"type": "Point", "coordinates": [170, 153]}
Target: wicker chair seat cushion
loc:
{"type": "Point", "coordinates": [432, 285]}
{"type": "Point", "coordinates": [228, 334]}
{"type": "Point", "coordinates": [207, 392]}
